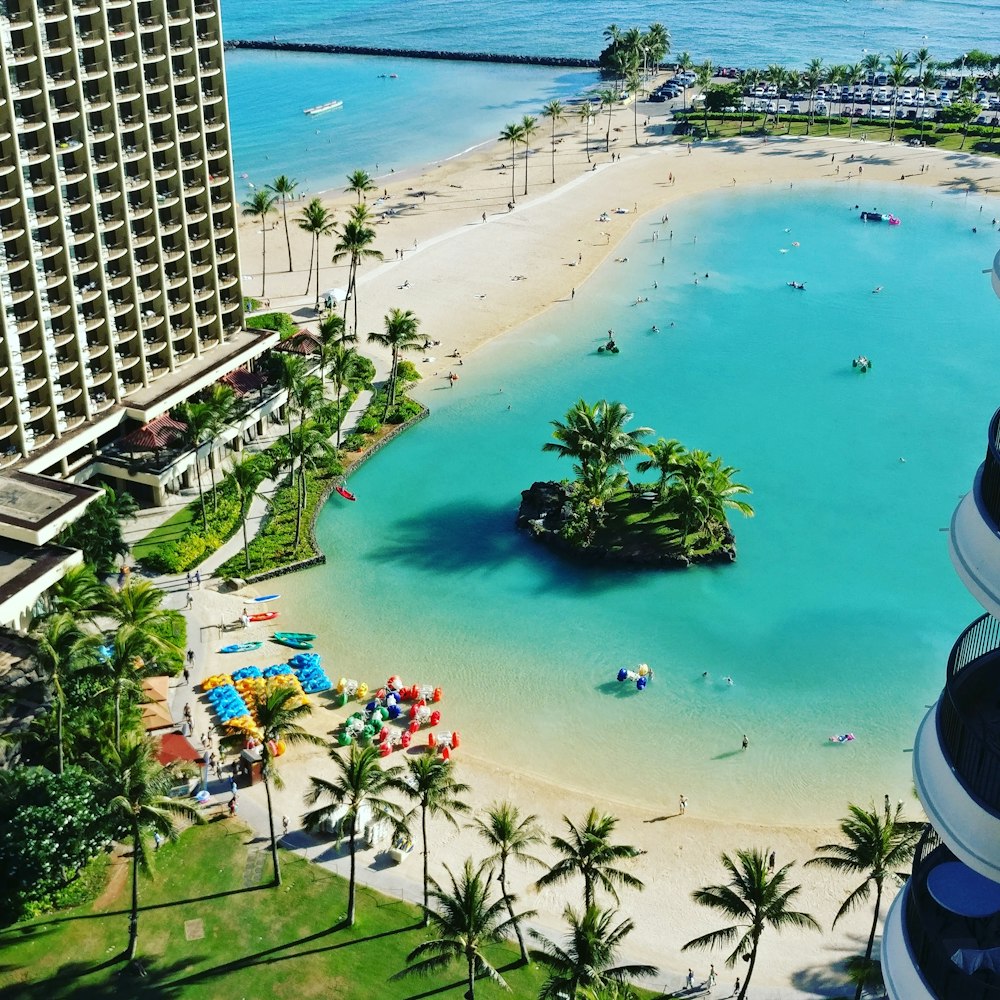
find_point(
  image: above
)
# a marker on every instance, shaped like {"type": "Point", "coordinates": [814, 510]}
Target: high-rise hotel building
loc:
{"type": "Point", "coordinates": [119, 266]}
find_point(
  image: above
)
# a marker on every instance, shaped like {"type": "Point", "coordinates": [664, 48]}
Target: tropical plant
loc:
{"type": "Point", "coordinates": [633, 82]}
{"type": "Point", "coordinates": [284, 187]}
{"type": "Point", "coordinates": [812, 78]}
{"type": "Point", "coordinates": [356, 243]}
{"type": "Point", "coordinates": [878, 846]}
{"type": "Point", "coordinates": [58, 650]}
{"type": "Point", "coordinates": [317, 221]}
{"type": "Point", "coordinates": [466, 921]}
{"type": "Point", "coordinates": [555, 112]}
{"type": "Point", "coordinates": [136, 786]}
{"type": "Point", "coordinates": [754, 899]}
{"type": "Point", "coordinates": [310, 448]}
{"type": "Point", "coordinates": [657, 44]}
{"type": "Point", "coordinates": [199, 427]}
{"type": "Point", "coordinates": [139, 606]}
{"type": "Point", "coordinates": [873, 64]}
{"type": "Point", "coordinates": [277, 710]}
{"type": "Point", "coordinates": [400, 336]}
{"type": "Point", "coordinates": [360, 784]}
{"type": "Point", "coordinates": [898, 75]}
{"type": "Point", "coordinates": [361, 183]}
{"type": "Point", "coordinates": [587, 961]}
{"type": "Point", "coordinates": [429, 782]}
{"type": "Point", "coordinates": [594, 434]}
{"type": "Point", "coordinates": [346, 366]}
{"type": "Point", "coordinates": [588, 852]}
{"type": "Point", "coordinates": [927, 82]}
{"type": "Point", "coordinates": [333, 330]}
{"type": "Point", "coordinates": [290, 373]}
{"type": "Point", "coordinates": [608, 99]}
{"type": "Point", "coordinates": [221, 400]}
{"type": "Point", "coordinates": [529, 127]}
{"type": "Point", "coordinates": [78, 592]}
{"type": "Point", "coordinates": [98, 532]}
{"type": "Point", "coordinates": [118, 662]}
{"type": "Point", "coordinates": [749, 79]}
{"type": "Point", "coordinates": [510, 836]}
{"type": "Point", "coordinates": [585, 114]}
{"type": "Point", "coordinates": [684, 66]}
{"type": "Point", "coordinates": [260, 205]}
{"type": "Point", "coordinates": [247, 474]}
{"type": "Point", "coordinates": [703, 77]}
{"type": "Point", "coordinates": [512, 133]}
{"type": "Point", "coordinates": [777, 76]}
{"type": "Point", "coordinates": [964, 109]}
{"type": "Point", "coordinates": [665, 457]}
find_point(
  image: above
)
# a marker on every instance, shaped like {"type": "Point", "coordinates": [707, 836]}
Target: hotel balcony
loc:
{"type": "Point", "coordinates": [155, 86]}
{"type": "Point", "coordinates": [193, 188]}
{"type": "Point", "coordinates": [150, 56]}
{"type": "Point", "coordinates": [93, 73]}
{"type": "Point", "coordinates": [64, 114]}
{"type": "Point", "coordinates": [118, 280]}
{"type": "Point", "coordinates": [149, 24]}
{"type": "Point", "coordinates": [132, 154]}
{"type": "Point", "coordinates": [20, 57]}
{"type": "Point", "coordinates": [159, 145]}
{"type": "Point", "coordinates": [124, 63]}
{"type": "Point", "coordinates": [956, 756]}
{"type": "Point", "coordinates": [941, 939]}
{"type": "Point", "coordinates": [208, 69]}
{"type": "Point", "coordinates": [975, 529]}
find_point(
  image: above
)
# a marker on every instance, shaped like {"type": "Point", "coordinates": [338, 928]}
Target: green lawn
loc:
{"type": "Point", "coordinates": [257, 941]}
{"type": "Point", "coordinates": [172, 530]}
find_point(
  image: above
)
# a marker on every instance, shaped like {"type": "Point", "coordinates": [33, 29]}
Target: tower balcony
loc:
{"type": "Point", "coordinates": [956, 756]}
{"type": "Point", "coordinates": [941, 936]}
{"type": "Point", "coordinates": [975, 529]}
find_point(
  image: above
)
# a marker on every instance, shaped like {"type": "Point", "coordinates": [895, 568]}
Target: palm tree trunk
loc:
{"type": "Point", "coordinates": [510, 912]}
{"type": "Point", "coordinates": [309, 270]}
{"type": "Point", "coordinates": [270, 823]}
{"type": "Point", "coordinates": [588, 893]}
{"type": "Point", "coordinates": [753, 962]}
{"type": "Point", "coordinates": [527, 142]}
{"type": "Point", "coordinates": [133, 921]}
{"type": "Point", "coordinates": [871, 941]}
{"type": "Point", "coordinates": [118, 718]}
{"type": "Point", "coordinates": [298, 521]}
{"type": "Point", "coordinates": [553, 150]}
{"type": "Point", "coordinates": [472, 979]}
{"type": "Point", "coordinates": [512, 169]}
{"type": "Point", "coordinates": [288, 239]}
{"type": "Point", "coordinates": [587, 140]}
{"type": "Point", "coordinates": [635, 118]}
{"type": "Point", "coordinates": [427, 912]}
{"type": "Point", "coordinates": [607, 135]}
{"type": "Point", "coordinates": [263, 253]}
{"type": "Point", "coordinates": [317, 270]}
{"type": "Point", "coordinates": [211, 469]}
{"type": "Point", "coordinates": [246, 540]}
{"type": "Point", "coordinates": [201, 494]}
{"type": "Point", "coordinates": [59, 733]}
{"type": "Point", "coordinates": [354, 295]}
{"type": "Point", "coordinates": [352, 881]}
{"type": "Point", "coordinates": [340, 415]}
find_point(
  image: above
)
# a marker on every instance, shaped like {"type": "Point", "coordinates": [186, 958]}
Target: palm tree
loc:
{"type": "Point", "coordinates": [922, 58]}
{"type": "Point", "coordinates": [317, 221]}
{"type": "Point", "coordinates": [259, 205]}
{"type": "Point", "coordinates": [199, 421]}
{"type": "Point", "coordinates": [79, 593]}
{"type": "Point", "coordinates": [657, 44]}
{"type": "Point", "coordinates": [612, 34]}
{"type": "Point", "coordinates": [748, 83]}
{"type": "Point", "coordinates": [221, 399]}
{"type": "Point", "coordinates": [834, 77]}
{"type": "Point", "coordinates": [898, 75]}
{"type": "Point", "coordinates": [345, 367]}
{"type": "Point", "coordinates": [927, 82]}
{"type": "Point", "coordinates": [965, 108]}
{"type": "Point", "coordinates": [247, 474]}
{"type": "Point", "coordinates": [778, 77]}
{"type": "Point", "coordinates": [812, 77]}
{"type": "Point", "coordinates": [529, 126]}
{"type": "Point", "coordinates": [585, 114]}
{"type": "Point", "coordinates": [587, 960]}
{"type": "Point", "coordinates": [703, 77]}
{"type": "Point", "coordinates": [634, 82]}
{"type": "Point", "coordinates": [310, 447]}
{"type": "Point", "coordinates": [400, 335]}
{"type": "Point", "coordinates": [284, 187]}
{"type": "Point", "coordinates": [665, 456]}
{"type": "Point", "coordinates": [595, 435]}
{"type": "Point", "coordinates": [429, 781]}
{"type": "Point", "coordinates": [467, 920]}
{"type": "Point", "coordinates": [360, 784]}
{"type": "Point", "coordinates": [119, 662]}
{"type": "Point", "coordinates": [355, 243]}
{"type": "Point", "coordinates": [277, 710]}
{"type": "Point", "coordinates": [853, 75]}
{"type": "Point", "coordinates": [139, 605]}
{"type": "Point", "coordinates": [291, 371]}
{"type": "Point", "coordinates": [873, 64]}
{"type": "Point", "coordinates": [512, 133]}
{"type": "Point", "coordinates": [59, 645]}
{"type": "Point", "coordinates": [555, 112]}
{"type": "Point", "coordinates": [588, 852]}
{"type": "Point", "coordinates": [361, 183]}
{"type": "Point", "coordinates": [608, 99]}
{"type": "Point", "coordinates": [755, 899]}
{"type": "Point", "coordinates": [510, 836]}
{"type": "Point", "coordinates": [877, 844]}
{"type": "Point", "coordinates": [136, 787]}
{"type": "Point", "coordinates": [685, 64]}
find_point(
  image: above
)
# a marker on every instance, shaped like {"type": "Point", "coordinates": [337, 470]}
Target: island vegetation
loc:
{"type": "Point", "coordinates": [677, 518]}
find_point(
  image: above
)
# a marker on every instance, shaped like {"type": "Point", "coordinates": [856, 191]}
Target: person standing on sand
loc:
{"type": "Point", "coordinates": [712, 977]}
{"type": "Point", "coordinates": [682, 804]}
{"type": "Point", "coordinates": [746, 742]}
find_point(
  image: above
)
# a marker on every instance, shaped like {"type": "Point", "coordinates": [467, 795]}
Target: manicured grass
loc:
{"type": "Point", "coordinates": [258, 941]}
{"type": "Point", "coordinates": [172, 530]}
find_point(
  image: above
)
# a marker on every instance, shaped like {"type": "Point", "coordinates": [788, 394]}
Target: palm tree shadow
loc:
{"type": "Point", "coordinates": [509, 967]}
{"type": "Point", "coordinates": [152, 984]}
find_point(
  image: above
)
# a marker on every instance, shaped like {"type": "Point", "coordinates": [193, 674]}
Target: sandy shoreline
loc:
{"type": "Point", "coordinates": [459, 274]}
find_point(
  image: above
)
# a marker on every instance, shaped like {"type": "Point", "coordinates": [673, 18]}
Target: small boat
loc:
{"type": "Point", "coordinates": [345, 493]}
{"type": "Point", "coordinates": [294, 643]}
{"type": "Point", "coordinates": [265, 598]}
{"type": "Point", "coordinates": [880, 217]}
{"type": "Point", "coordinates": [306, 636]}
{"type": "Point", "coordinates": [241, 647]}
{"type": "Point", "coordinates": [320, 108]}
{"type": "Point", "coordinates": [263, 616]}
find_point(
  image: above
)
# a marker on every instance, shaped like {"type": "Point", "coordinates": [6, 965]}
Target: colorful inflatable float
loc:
{"type": "Point", "coordinates": [642, 675]}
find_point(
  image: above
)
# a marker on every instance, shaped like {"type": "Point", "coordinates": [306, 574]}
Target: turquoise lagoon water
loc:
{"type": "Point", "coordinates": [842, 607]}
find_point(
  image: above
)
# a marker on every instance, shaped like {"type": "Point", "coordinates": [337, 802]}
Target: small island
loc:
{"type": "Point", "coordinates": [602, 515]}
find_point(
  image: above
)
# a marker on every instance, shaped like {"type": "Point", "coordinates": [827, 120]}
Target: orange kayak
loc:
{"type": "Point", "coordinates": [263, 616]}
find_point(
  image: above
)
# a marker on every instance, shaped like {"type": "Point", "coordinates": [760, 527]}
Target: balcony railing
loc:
{"type": "Point", "coordinates": [934, 933]}
{"type": "Point", "coordinates": [970, 738]}
{"type": "Point", "coordinates": [991, 473]}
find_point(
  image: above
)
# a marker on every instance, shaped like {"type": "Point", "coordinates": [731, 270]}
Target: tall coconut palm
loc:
{"type": "Point", "coordinates": [748, 82]}
{"type": "Point", "coordinates": [360, 785]}
{"type": "Point", "coordinates": [529, 127]}
{"type": "Point", "coordinates": [878, 846]}
{"type": "Point", "coordinates": [777, 76]}
{"type": "Point", "coordinates": [657, 44]}
{"type": "Point", "coordinates": [512, 133]}
{"type": "Point", "coordinates": [260, 205]}
{"type": "Point", "coordinates": [119, 662]}
{"type": "Point", "coordinates": [594, 434]}
{"type": "Point", "coordinates": [812, 78]}
{"type": "Point", "coordinates": [853, 75]}
{"type": "Point", "coordinates": [922, 58]}
{"type": "Point", "coordinates": [754, 899]}
{"type": "Point", "coordinates": [400, 336]}
{"type": "Point", "coordinates": [684, 65]}
{"type": "Point", "coordinates": [429, 782]}
{"type": "Point", "coordinates": [277, 710]}
{"type": "Point", "coordinates": [510, 836]}
{"type": "Point", "coordinates": [222, 401]}
{"type": "Point", "coordinates": [835, 76]}
{"type": "Point", "coordinates": [345, 367]}
{"type": "Point", "coordinates": [555, 112]}
{"type": "Point", "coordinates": [588, 852]}
{"type": "Point", "coordinates": [361, 183]}
{"type": "Point", "coordinates": [135, 786]}
{"type": "Point", "coordinates": [139, 605]}
{"type": "Point", "coordinates": [927, 82]}
{"type": "Point", "coordinates": [466, 921]}
{"type": "Point", "coordinates": [899, 73]}
{"type": "Point", "coordinates": [588, 959]}
{"type": "Point", "coordinates": [199, 427]}
{"type": "Point", "coordinates": [665, 456]}
{"type": "Point", "coordinates": [333, 330]}
{"type": "Point", "coordinates": [586, 114]}
{"type": "Point", "coordinates": [317, 221]}
{"type": "Point", "coordinates": [703, 77]}
{"type": "Point", "coordinates": [247, 474]}
{"type": "Point", "coordinates": [291, 371]}
{"type": "Point", "coordinates": [284, 187]}
{"type": "Point", "coordinates": [310, 448]}
{"type": "Point", "coordinates": [79, 593]}
{"type": "Point", "coordinates": [60, 644]}
{"type": "Point", "coordinates": [873, 64]}
{"type": "Point", "coordinates": [633, 82]}
{"type": "Point", "coordinates": [356, 239]}
{"type": "Point", "coordinates": [608, 99]}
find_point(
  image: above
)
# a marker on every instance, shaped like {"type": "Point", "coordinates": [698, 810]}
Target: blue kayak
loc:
{"type": "Point", "coordinates": [241, 647]}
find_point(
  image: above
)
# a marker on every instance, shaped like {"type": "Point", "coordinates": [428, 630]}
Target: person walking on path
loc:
{"type": "Point", "coordinates": [689, 981]}
{"type": "Point", "coordinates": [736, 988]}
{"type": "Point", "coordinates": [189, 604]}
{"type": "Point", "coordinates": [712, 977]}
{"type": "Point", "coordinates": [187, 676]}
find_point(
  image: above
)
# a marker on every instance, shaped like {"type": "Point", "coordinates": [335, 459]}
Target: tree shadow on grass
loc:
{"type": "Point", "coordinates": [153, 984]}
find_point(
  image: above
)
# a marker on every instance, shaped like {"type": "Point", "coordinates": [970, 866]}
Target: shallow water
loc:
{"type": "Point", "coordinates": [842, 607]}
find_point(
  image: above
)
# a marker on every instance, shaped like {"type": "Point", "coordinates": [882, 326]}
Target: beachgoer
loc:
{"type": "Point", "coordinates": [189, 603]}
{"type": "Point", "coordinates": [736, 988]}
{"type": "Point", "coordinates": [682, 804]}
{"type": "Point", "coordinates": [689, 981]}
{"type": "Point", "coordinates": [197, 576]}
{"type": "Point", "coordinates": [187, 676]}
{"type": "Point", "coordinates": [746, 742]}
{"type": "Point", "coordinates": [157, 840]}
{"type": "Point", "coordinates": [484, 216]}
{"type": "Point", "coordinates": [232, 806]}
{"type": "Point", "coordinates": [189, 580]}
{"type": "Point", "coordinates": [770, 862]}
{"type": "Point", "coordinates": [712, 977]}
{"type": "Point", "coordinates": [284, 825]}
{"type": "Point", "coordinates": [190, 657]}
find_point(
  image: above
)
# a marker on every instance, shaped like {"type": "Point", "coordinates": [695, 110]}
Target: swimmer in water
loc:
{"type": "Point", "coordinates": [876, 289]}
{"type": "Point", "coordinates": [729, 681]}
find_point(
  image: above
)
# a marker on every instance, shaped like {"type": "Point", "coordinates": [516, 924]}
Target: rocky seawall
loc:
{"type": "Point", "coordinates": [372, 50]}
{"type": "Point", "coordinates": [545, 510]}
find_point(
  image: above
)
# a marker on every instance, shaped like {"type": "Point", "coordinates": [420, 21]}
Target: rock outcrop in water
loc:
{"type": "Point", "coordinates": [546, 509]}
